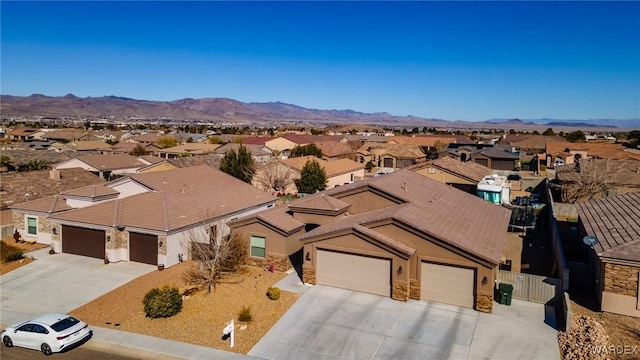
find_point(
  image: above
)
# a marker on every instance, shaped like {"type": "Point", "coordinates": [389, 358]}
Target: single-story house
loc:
{"type": "Point", "coordinates": [150, 218]}
{"type": "Point", "coordinates": [260, 153]}
{"type": "Point", "coordinates": [613, 226]}
{"type": "Point", "coordinates": [388, 155]}
{"type": "Point", "coordinates": [462, 175]}
{"type": "Point", "coordinates": [495, 158]}
{"type": "Point", "coordinates": [401, 235]}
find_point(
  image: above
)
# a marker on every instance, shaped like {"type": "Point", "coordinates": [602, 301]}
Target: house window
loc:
{"type": "Point", "coordinates": [258, 246]}
{"type": "Point", "coordinates": [32, 226]}
{"type": "Point", "coordinates": [432, 170]}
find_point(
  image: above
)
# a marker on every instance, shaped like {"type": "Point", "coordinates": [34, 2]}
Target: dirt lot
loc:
{"type": "Point", "coordinates": [26, 247]}
{"type": "Point", "coordinates": [203, 315]}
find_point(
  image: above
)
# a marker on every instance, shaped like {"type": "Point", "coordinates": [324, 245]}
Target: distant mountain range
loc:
{"type": "Point", "coordinates": [232, 111]}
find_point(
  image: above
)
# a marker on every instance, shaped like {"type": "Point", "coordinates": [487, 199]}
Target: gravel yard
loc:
{"type": "Point", "coordinates": [203, 314]}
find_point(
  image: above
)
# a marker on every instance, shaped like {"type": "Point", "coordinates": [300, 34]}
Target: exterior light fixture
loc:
{"type": "Point", "coordinates": [160, 244]}
{"type": "Point", "coordinates": [308, 256]}
{"type": "Point", "coordinates": [399, 272]}
{"type": "Point", "coordinates": [54, 231]}
{"type": "Point", "coordinates": [484, 280]}
{"type": "Point", "coordinates": [108, 238]}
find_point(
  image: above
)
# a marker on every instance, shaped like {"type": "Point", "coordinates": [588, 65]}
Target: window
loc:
{"type": "Point", "coordinates": [32, 226]}
{"type": "Point", "coordinates": [258, 246]}
{"type": "Point", "coordinates": [432, 170]}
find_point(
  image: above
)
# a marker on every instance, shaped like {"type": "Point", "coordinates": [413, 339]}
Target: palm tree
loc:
{"type": "Point", "coordinates": [36, 164]}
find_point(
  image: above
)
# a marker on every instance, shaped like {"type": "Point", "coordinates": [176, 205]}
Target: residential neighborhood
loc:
{"type": "Point", "coordinates": [431, 220]}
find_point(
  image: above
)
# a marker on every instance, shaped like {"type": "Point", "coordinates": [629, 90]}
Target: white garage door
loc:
{"type": "Point", "coordinates": [447, 284]}
{"type": "Point", "coordinates": [354, 272]}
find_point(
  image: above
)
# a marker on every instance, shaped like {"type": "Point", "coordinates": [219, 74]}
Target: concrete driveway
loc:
{"type": "Point", "coordinates": [331, 323]}
{"type": "Point", "coordinates": [60, 283]}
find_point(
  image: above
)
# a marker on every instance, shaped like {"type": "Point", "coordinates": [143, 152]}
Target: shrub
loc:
{"type": "Point", "coordinates": [273, 293]}
{"type": "Point", "coordinates": [245, 314]}
{"type": "Point", "coordinates": [162, 302]}
{"type": "Point", "coordinates": [14, 255]}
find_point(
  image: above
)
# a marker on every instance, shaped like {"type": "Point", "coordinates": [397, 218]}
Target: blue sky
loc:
{"type": "Point", "coordinates": [449, 60]}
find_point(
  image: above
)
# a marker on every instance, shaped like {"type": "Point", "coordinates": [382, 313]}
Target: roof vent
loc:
{"type": "Point", "coordinates": [405, 187]}
{"type": "Point", "coordinates": [164, 180]}
{"type": "Point", "coordinates": [184, 189]}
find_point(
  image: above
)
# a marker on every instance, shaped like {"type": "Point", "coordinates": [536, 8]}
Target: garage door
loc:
{"type": "Point", "coordinates": [81, 241]}
{"type": "Point", "coordinates": [354, 272]}
{"type": "Point", "coordinates": [143, 248]}
{"type": "Point", "coordinates": [447, 284]}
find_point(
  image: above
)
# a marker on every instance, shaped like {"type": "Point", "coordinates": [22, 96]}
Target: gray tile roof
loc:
{"type": "Point", "coordinates": [615, 221]}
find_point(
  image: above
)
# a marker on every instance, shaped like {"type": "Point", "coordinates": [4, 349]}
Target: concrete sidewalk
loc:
{"type": "Point", "coordinates": [148, 347]}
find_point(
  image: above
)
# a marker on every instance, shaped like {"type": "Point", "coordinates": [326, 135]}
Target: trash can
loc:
{"type": "Point", "coordinates": [506, 293]}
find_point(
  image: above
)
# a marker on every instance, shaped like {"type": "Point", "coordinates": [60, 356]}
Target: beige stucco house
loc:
{"type": "Point", "coordinates": [462, 175]}
{"type": "Point", "coordinates": [401, 235]}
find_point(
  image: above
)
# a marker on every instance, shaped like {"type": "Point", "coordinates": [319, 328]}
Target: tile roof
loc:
{"type": "Point", "coordinates": [91, 191]}
{"type": "Point", "coordinates": [192, 148]}
{"type": "Point", "coordinates": [147, 138]}
{"type": "Point", "coordinates": [496, 153]}
{"type": "Point", "coordinates": [321, 202]}
{"type": "Point", "coordinates": [615, 221]}
{"type": "Point", "coordinates": [439, 210]}
{"type": "Point", "coordinates": [111, 161]}
{"type": "Point", "coordinates": [396, 150]}
{"type": "Point", "coordinates": [181, 197]}
{"type": "Point", "coordinates": [51, 204]}
{"type": "Point", "coordinates": [212, 160]}
{"type": "Point", "coordinates": [279, 218]}
{"type": "Point", "coordinates": [65, 134]}
{"type": "Point", "coordinates": [333, 149]}
{"type": "Point", "coordinates": [593, 149]}
{"type": "Point", "coordinates": [22, 156]}
{"type": "Point", "coordinates": [90, 145]}
{"type": "Point", "coordinates": [38, 184]}
{"type": "Point", "coordinates": [424, 140]}
{"type": "Point", "coordinates": [254, 149]}
{"type": "Point", "coordinates": [304, 139]}
{"type": "Point", "coordinates": [468, 169]}
{"type": "Point", "coordinates": [256, 140]}
{"type": "Point", "coordinates": [331, 167]}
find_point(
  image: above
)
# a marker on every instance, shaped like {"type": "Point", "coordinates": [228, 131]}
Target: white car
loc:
{"type": "Point", "coordinates": [48, 333]}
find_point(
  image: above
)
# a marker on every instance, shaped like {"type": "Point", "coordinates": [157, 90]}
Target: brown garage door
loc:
{"type": "Point", "coordinates": [82, 241]}
{"type": "Point", "coordinates": [143, 248]}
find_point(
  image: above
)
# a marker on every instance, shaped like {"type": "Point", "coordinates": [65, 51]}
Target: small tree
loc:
{"type": "Point", "coordinates": [139, 150]}
{"type": "Point", "coordinates": [274, 176]}
{"type": "Point", "coordinates": [239, 164]}
{"type": "Point", "coordinates": [167, 142]}
{"type": "Point", "coordinates": [548, 132]}
{"type": "Point", "coordinates": [313, 178]}
{"type": "Point", "coordinates": [576, 136]}
{"type": "Point", "coordinates": [588, 179]}
{"type": "Point", "coordinates": [311, 149]}
{"type": "Point", "coordinates": [369, 166]}
{"type": "Point", "coordinates": [213, 257]}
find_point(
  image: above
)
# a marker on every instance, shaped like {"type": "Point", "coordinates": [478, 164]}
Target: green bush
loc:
{"type": "Point", "coordinates": [14, 255]}
{"type": "Point", "coordinates": [245, 314]}
{"type": "Point", "coordinates": [162, 302]}
{"type": "Point", "coordinates": [273, 293]}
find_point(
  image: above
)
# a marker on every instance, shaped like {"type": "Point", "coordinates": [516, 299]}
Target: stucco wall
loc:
{"type": "Point", "coordinates": [365, 201]}
{"type": "Point", "coordinates": [275, 244]}
{"type": "Point", "coordinates": [443, 177]}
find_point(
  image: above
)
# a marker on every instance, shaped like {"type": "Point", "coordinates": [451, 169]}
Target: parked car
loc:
{"type": "Point", "coordinates": [48, 333]}
{"type": "Point", "coordinates": [514, 177]}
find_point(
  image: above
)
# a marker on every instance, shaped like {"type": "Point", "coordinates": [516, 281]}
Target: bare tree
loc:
{"type": "Point", "coordinates": [591, 178]}
{"type": "Point", "coordinates": [213, 256]}
{"type": "Point", "coordinates": [274, 176]}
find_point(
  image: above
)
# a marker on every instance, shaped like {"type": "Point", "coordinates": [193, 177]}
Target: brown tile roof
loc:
{"type": "Point", "coordinates": [22, 156]}
{"type": "Point", "coordinates": [22, 131]}
{"type": "Point", "coordinates": [424, 140]}
{"type": "Point", "coordinates": [90, 145]}
{"type": "Point", "coordinates": [255, 150]}
{"type": "Point", "coordinates": [615, 221]}
{"type": "Point", "coordinates": [303, 139]}
{"type": "Point", "coordinates": [279, 218]}
{"type": "Point", "coordinates": [38, 184]}
{"type": "Point", "coordinates": [51, 204]}
{"type": "Point", "coordinates": [331, 167]}
{"type": "Point", "coordinates": [439, 210]}
{"type": "Point", "coordinates": [401, 151]}
{"type": "Point", "coordinates": [468, 169]}
{"type": "Point", "coordinates": [534, 141]}
{"type": "Point", "coordinates": [192, 148]}
{"type": "Point", "coordinates": [594, 149]}
{"type": "Point", "coordinates": [66, 134]}
{"type": "Point", "coordinates": [321, 202]}
{"type": "Point", "coordinates": [212, 160]}
{"type": "Point", "coordinates": [111, 161]}
{"type": "Point", "coordinates": [404, 249]}
{"type": "Point", "coordinates": [91, 191]}
{"type": "Point", "coordinates": [333, 149]}
{"type": "Point", "coordinates": [147, 138]}
{"type": "Point", "coordinates": [181, 197]}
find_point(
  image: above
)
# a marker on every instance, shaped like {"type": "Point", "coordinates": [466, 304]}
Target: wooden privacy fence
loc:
{"type": "Point", "coordinates": [534, 288]}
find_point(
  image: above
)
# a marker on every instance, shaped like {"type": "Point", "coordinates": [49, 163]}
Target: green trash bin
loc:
{"type": "Point", "coordinates": [506, 293]}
